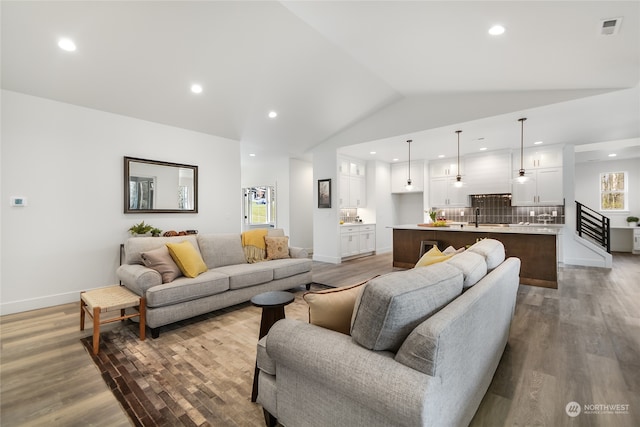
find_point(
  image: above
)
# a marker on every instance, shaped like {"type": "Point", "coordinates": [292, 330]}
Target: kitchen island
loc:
{"type": "Point", "coordinates": [535, 245]}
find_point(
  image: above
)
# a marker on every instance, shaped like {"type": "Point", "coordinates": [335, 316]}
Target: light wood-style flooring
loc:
{"type": "Point", "coordinates": [579, 343]}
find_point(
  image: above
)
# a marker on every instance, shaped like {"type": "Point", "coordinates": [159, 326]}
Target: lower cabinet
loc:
{"type": "Point", "coordinates": [636, 241]}
{"type": "Point", "coordinates": [357, 239]}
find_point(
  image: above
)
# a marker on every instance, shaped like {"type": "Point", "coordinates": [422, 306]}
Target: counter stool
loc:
{"type": "Point", "coordinates": [107, 299]}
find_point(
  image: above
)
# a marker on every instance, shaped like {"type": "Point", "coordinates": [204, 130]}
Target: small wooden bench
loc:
{"type": "Point", "coordinates": [107, 299]}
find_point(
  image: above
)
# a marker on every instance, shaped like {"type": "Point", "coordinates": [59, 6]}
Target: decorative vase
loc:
{"type": "Point", "coordinates": [632, 224]}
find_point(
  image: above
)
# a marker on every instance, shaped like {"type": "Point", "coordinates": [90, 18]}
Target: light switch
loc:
{"type": "Point", "coordinates": [18, 201]}
{"type": "Point", "coordinates": [532, 213]}
{"type": "Point", "coordinates": [554, 213]}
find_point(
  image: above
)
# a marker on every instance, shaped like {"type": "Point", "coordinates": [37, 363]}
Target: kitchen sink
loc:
{"type": "Point", "coordinates": [488, 225]}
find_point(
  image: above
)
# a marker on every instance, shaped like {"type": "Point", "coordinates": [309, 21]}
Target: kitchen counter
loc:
{"type": "Point", "coordinates": [536, 245]}
{"type": "Point", "coordinates": [553, 229]}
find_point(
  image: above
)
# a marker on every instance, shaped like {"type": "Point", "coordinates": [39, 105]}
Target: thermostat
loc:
{"type": "Point", "coordinates": [18, 201]}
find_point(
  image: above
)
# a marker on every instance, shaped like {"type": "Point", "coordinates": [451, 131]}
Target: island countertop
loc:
{"type": "Point", "coordinates": [553, 229]}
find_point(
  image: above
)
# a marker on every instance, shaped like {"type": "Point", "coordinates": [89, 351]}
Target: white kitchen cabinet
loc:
{"type": "Point", "coordinates": [444, 194]}
{"type": "Point", "coordinates": [445, 167]}
{"type": "Point", "coordinates": [352, 185]}
{"type": "Point", "coordinates": [538, 157]}
{"type": "Point", "coordinates": [636, 240]}
{"type": "Point", "coordinates": [357, 239]}
{"type": "Point", "coordinates": [400, 174]}
{"type": "Point", "coordinates": [545, 188]}
{"type": "Point", "coordinates": [488, 173]}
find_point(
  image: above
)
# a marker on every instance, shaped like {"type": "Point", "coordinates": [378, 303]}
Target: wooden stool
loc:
{"type": "Point", "coordinates": [107, 299]}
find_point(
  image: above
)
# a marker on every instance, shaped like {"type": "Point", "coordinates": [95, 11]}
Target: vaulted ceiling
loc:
{"type": "Point", "coordinates": [338, 73]}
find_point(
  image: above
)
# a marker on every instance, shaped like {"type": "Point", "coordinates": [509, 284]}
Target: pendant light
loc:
{"type": "Point", "coordinates": [409, 186]}
{"type": "Point", "coordinates": [458, 182]}
{"type": "Point", "coordinates": [522, 177]}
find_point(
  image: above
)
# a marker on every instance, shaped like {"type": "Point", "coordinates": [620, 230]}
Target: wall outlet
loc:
{"type": "Point", "coordinates": [554, 213]}
{"type": "Point", "coordinates": [461, 213]}
{"type": "Point", "coordinates": [532, 213]}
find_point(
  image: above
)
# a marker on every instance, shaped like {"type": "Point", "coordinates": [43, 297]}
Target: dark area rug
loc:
{"type": "Point", "coordinates": [199, 372]}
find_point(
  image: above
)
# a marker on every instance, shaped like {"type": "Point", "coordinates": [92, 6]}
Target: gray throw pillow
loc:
{"type": "Point", "coordinates": [161, 261]}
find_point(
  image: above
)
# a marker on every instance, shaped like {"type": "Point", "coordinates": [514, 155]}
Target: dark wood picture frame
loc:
{"type": "Point", "coordinates": [324, 193]}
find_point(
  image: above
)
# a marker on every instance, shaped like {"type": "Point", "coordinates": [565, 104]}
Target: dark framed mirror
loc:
{"type": "Point", "coordinates": [152, 186]}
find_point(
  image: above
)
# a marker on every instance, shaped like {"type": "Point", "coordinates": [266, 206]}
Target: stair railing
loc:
{"type": "Point", "coordinates": [593, 225]}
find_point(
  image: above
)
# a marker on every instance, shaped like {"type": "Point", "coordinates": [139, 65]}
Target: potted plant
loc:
{"type": "Point", "coordinates": [140, 229]}
{"type": "Point", "coordinates": [632, 221]}
{"type": "Point", "coordinates": [155, 232]}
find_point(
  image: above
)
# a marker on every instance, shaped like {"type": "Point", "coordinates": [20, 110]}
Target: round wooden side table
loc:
{"type": "Point", "coordinates": [272, 304]}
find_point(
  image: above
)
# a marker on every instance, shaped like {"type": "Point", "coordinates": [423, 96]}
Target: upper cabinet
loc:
{"type": "Point", "coordinates": [535, 158]}
{"type": "Point", "coordinates": [544, 167]}
{"type": "Point", "coordinates": [352, 185]}
{"type": "Point", "coordinates": [445, 167]}
{"type": "Point", "coordinates": [400, 174]}
{"type": "Point", "coordinates": [488, 173]}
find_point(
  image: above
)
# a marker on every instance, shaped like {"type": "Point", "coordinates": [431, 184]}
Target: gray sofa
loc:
{"type": "Point", "coordinates": [230, 279]}
{"type": "Point", "coordinates": [424, 346]}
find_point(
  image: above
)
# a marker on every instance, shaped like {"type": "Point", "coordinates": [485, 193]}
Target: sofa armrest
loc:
{"type": "Point", "coordinates": [138, 278]}
{"type": "Point", "coordinates": [295, 252]}
{"type": "Point", "coordinates": [373, 379]}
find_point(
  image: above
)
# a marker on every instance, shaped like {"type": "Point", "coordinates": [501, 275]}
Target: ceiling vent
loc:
{"type": "Point", "coordinates": [610, 27]}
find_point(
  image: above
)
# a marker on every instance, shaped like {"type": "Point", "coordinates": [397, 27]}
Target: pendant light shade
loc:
{"type": "Point", "coordinates": [409, 186]}
{"type": "Point", "coordinates": [522, 177]}
{"type": "Point", "coordinates": [458, 183]}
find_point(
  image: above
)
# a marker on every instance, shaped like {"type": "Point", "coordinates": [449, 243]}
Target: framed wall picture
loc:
{"type": "Point", "coordinates": [324, 193]}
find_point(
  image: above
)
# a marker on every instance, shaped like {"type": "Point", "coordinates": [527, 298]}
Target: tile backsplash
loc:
{"type": "Point", "coordinates": [497, 209]}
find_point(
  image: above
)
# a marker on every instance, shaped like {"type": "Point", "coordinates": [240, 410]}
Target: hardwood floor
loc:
{"type": "Point", "coordinates": [578, 343]}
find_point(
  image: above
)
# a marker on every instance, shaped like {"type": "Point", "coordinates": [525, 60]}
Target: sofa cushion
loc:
{"type": "Point", "coordinates": [333, 308]}
{"type": "Point", "coordinates": [277, 247]}
{"type": "Point", "coordinates": [492, 250]}
{"type": "Point", "coordinates": [187, 289]}
{"type": "Point", "coordinates": [134, 246]}
{"type": "Point", "coordinates": [289, 267]}
{"type": "Point", "coordinates": [219, 250]}
{"type": "Point", "coordinates": [161, 261]}
{"type": "Point", "coordinates": [188, 258]}
{"type": "Point", "coordinates": [245, 275]}
{"type": "Point", "coordinates": [391, 306]}
{"type": "Point", "coordinates": [472, 265]}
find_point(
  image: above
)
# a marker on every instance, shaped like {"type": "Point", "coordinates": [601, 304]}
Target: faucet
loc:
{"type": "Point", "coordinates": [477, 215]}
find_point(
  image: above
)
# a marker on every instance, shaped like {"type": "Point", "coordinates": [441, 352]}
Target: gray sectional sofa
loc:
{"type": "Point", "coordinates": [424, 346]}
{"type": "Point", "coordinates": [230, 279]}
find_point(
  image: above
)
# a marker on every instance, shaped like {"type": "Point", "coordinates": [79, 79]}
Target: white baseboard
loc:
{"type": "Point", "coordinates": [586, 262]}
{"type": "Point", "coordinates": [324, 258]}
{"type": "Point", "coordinates": [40, 302]}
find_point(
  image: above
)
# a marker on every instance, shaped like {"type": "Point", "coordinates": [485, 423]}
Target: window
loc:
{"type": "Point", "coordinates": [613, 191]}
{"type": "Point", "coordinates": [259, 206]}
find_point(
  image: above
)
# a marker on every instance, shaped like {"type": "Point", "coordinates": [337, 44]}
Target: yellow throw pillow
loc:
{"type": "Point", "coordinates": [333, 308]}
{"type": "Point", "coordinates": [277, 247]}
{"type": "Point", "coordinates": [432, 256]}
{"type": "Point", "coordinates": [188, 258]}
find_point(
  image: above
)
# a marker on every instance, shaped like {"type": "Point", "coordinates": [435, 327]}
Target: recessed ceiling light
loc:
{"type": "Point", "coordinates": [483, 149]}
{"type": "Point", "coordinates": [441, 156]}
{"type": "Point", "coordinates": [612, 155]}
{"type": "Point", "coordinates": [196, 88]}
{"type": "Point", "coordinates": [496, 30]}
{"type": "Point", "coordinates": [395, 160]}
{"type": "Point", "coordinates": [67, 44]}
{"type": "Point", "coordinates": [537, 143]}
{"type": "Point", "coordinates": [252, 154]}
{"type": "Point", "coordinates": [372, 152]}
{"type": "Point", "coordinates": [273, 114]}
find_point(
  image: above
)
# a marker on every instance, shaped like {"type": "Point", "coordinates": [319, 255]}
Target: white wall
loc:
{"type": "Point", "coordinates": [68, 161]}
{"type": "Point", "coordinates": [301, 203]}
{"type": "Point", "coordinates": [326, 236]}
